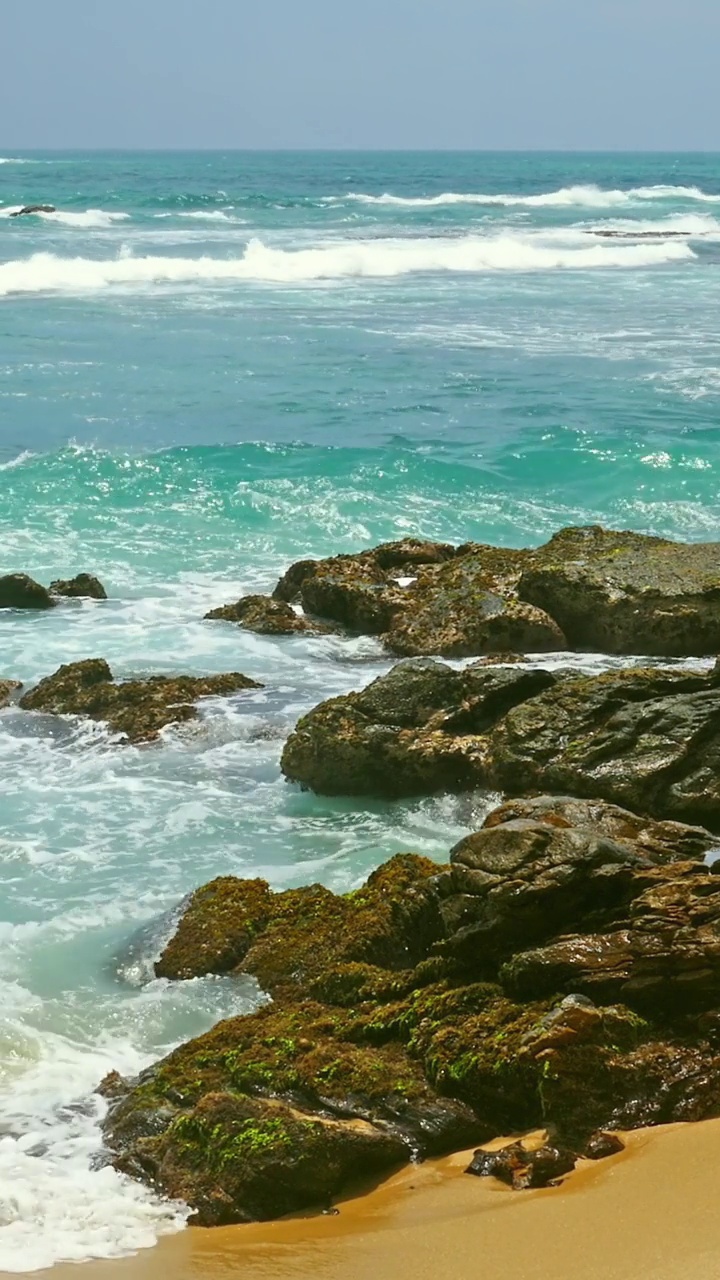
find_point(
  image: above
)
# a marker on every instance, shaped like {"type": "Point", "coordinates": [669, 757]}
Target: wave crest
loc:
{"type": "Point", "coordinates": [44, 272]}
{"type": "Point", "coordinates": [586, 197]}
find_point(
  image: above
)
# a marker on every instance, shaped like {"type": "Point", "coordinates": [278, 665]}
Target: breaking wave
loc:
{"type": "Point", "coordinates": [588, 197]}
{"type": "Point", "coordinates": [45, 272]}
{"type": "Point", "coordinates": [85, 220]}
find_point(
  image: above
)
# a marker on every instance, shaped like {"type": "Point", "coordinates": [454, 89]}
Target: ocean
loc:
{"type": "Point", "coordinates": [213, 364]}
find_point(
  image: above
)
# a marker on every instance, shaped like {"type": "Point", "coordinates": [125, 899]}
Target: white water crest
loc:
{"type": "Point", "coordinates": [84, 220]}
{"type": "Point", "coordinates": [589, 197]}
{"type": "Point", "coordinates": [45, 272]}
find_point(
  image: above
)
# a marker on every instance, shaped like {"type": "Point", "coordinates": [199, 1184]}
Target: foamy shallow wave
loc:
{"type": "Point", "coordinates": [45, 272]}
{"type": "Point", "coordinates": [590, 197]}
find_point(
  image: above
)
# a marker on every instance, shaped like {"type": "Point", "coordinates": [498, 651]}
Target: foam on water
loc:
{"type": "Point", "coordinates": [586, 197]}
{"type": "Point", "coordinates": [45, 272]}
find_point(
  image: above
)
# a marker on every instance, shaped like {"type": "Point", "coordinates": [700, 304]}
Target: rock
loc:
{"type": "Point", "coordinates": [646, 739]}
{"type": "Point", "coordinates": [659, 841]}
{"type": "Point", "coordinates": [267, 617]}
{"type": "Point", "coordinates": [216, 928]}
{"type": "Point", "coordinates": [390, 1020]}
{"type": "Point", "coordinates": [417, 729]}
{"type": "Point", "coordinates": [82, 585]}
{"type": "Point", "coordinates": [628, 593]}
{"type": "Point", "coordinates": [289, 586]}
{"type": "Point", "coordinates": [33, 208]}
{"type": "Point", "coordinates": [8, 688]}
{"type": "Point", "coordinates": [137, 709]}
{"type": "Point", "coordinates": [601, 1145]}
{"type": "Point", "coordinates": [522, 1169]}
{"type": "Point", "coordinates": [18, 591]}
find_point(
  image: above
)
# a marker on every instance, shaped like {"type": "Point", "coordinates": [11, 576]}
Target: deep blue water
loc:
{"type": "Point", "coordinates": [210, 365]}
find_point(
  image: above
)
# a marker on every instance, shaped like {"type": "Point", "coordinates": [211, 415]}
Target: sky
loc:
{"type": "Point", "coordinates": [368, 74]}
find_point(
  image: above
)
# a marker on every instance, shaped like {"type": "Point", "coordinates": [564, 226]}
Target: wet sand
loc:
{"type": "Point", "coordinates": [650, 1213]}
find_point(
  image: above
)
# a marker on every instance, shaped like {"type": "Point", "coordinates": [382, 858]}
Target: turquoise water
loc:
{"type": "Point", "coordinates": [211, 365]}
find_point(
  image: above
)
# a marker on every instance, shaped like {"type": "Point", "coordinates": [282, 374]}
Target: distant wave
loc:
{"type": "Point", "coordinates": [588, 197]}
{"type": "Point", "coordinates": [16, 160]}
{"type": "Point", "coordinates": [83, 221]}
{"type": "Point", "coordinates": [44, 272]}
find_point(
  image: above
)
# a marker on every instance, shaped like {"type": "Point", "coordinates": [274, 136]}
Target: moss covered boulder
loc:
{"type": "Point", "coordinates": [557, 974]}
{"type": "Point", "coordinates": [8, 691]}
{"type": "Point", "coordinates": [137, 709]}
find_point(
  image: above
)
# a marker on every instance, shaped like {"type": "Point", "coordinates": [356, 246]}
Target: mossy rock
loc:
{"type": "Point", "coordinates": [136, 709]}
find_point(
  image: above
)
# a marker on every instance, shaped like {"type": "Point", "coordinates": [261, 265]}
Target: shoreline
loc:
{"type": "Point", "coordinates": [648, 1213]}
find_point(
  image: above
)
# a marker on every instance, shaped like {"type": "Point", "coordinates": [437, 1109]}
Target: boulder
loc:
{"type": "Point", "coordinates": [418, 729]}
{"type": "Point", "coordinates": [628, 593]}
{"type": "Point", "coordinates": [136, 709]}
{"type": "Point", "coordinates": [645, 739]}
{"type": "Point", "coordinates": [18, 591]}
{"type": "Point", "coordinates": [82, 585]}
{"type": "Point", "coordinates": [267, 617]}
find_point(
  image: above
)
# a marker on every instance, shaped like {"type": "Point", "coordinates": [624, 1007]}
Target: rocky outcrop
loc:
{"type": "Point", "coordinates": [268, 617]}
{"type": "Point", "coordinates": [18, 591]}
{"type": "Point", "coordinates": [33, 208]}
{"type": "Point", "coordinates": [137, 709]}
{"type": "Point", "coordinates": [587, 588]}
{"type": "Point", "coordinates": [417, 1014]}
{"type": "Point", "coordinates": [82, 585]}
{"type": "Point", "coordinates": [647, 739]}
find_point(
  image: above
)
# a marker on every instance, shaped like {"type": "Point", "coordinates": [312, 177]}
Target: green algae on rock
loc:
{"type": "Point", "coordinates": [137, 709]}
{"type": "Point", "coordinates": [416, 1014]}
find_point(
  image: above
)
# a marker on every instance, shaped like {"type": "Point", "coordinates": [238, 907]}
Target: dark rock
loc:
{"type": "Point", "coordinates": [267, 617]}
{"type": "Point", "coordinates": [646, 739]}
{"type": "Point", "coordinates": [8, 689]}
{"type": "Point", "coordinates": [522, 1169]}
{"type": "Point", "coordinates": [33, 208]}
{"type": "Point", "coordinates": [137, 709]}
{"type": "Point", "coordinates": [601, 1145]}
{"type": "Point", "coordinates": [416, 729]}
{"type": "Point", "coordinates": [217, 928]}
{"type": "Point", "coordinates": [18, 591]}
{"type": "Point", "coordinates": [82, 585]}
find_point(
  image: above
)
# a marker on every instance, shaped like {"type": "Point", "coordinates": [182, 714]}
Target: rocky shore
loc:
{"type": "Point", "coordinates": [560, 971]}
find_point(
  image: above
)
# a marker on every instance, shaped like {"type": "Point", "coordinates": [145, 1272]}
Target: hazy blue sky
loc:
{"type": "Point", "coordinates": [360, 73]}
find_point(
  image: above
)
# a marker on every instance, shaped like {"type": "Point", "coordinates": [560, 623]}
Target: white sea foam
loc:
{"type": "Point", "coordinates": [18, 461]}
{"type": "Point", "coordinates": [583, 196]}
{"type": "Point", "coordinates": [44, 272]}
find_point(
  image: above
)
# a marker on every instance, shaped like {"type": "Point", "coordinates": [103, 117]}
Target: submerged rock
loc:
{"type": "Point", "coordinates": [267, 617]}
{"type": "Point", "coordinates": [82, 585]}
{"type": "Point", "coordinates": [18, 591]}
{"type": "Point", "coordinates": [137, 709]}
{"type": "Point", "coordinates": [399, 1017]}
{"type": "Point", "coordinates": [33, 208]}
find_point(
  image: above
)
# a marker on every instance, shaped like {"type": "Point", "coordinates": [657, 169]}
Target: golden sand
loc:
{"type": "Point", "coordinates": [650, 1213]}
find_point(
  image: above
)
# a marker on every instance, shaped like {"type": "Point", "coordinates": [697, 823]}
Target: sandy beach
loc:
{"type": "Point", "coordinates": [648, 1214]}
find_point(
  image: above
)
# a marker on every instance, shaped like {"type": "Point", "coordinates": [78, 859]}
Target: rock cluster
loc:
{"type": "Point", "coordinates": [19, 591]}
{"type": "Point", "coordinates": [587, 588]}
{"type": "Point", "coordinates": [137, 709]}
{"type": "Point", "coordinates": [560, 973]}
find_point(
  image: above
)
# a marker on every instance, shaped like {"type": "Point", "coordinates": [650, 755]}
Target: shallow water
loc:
{"type": "Point", "coordinates": [209, 366]}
